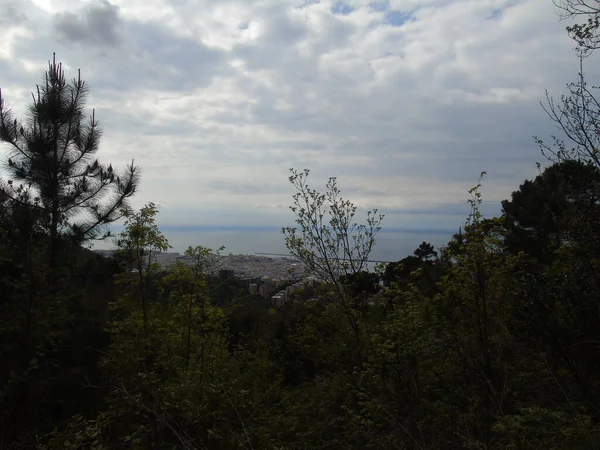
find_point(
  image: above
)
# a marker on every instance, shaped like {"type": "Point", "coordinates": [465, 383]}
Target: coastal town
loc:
{"type": "Point", "coordinates": [276, 278]}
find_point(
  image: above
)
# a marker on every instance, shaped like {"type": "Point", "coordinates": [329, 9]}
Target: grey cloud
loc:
{"type": "Point", "coordinates": [412, 120]}
{"type": "Point", "coordinates": [242, 187]}
{"type": "Point", "coordinates": [450, 209]}
{"type": "Point", "coordinates": [12, 73]}
{"type": "Point", "coordinates": [97, 24]}
{"type": "Point", "coordinates": [149, 57]}
{"type": "Point", "coordinates": [162, 60]}
{"type": "Point", "coordinates": [275, 47]}
{"type": "Point", "coordinates": [13, 12]}
{"type": "Point", "coordinates": [269, 53]}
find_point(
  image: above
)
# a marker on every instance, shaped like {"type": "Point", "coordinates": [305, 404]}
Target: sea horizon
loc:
{"type": "Point", "coordinates": [391, 244]}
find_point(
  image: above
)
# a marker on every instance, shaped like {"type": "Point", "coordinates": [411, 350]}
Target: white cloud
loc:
{"type": "Point", "coordinates": [404, 103]}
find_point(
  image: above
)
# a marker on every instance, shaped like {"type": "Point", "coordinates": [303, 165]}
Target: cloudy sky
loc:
{"type": "Point", "coordinates": [405, 101]}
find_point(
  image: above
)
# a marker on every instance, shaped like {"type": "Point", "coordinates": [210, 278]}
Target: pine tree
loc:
{"type": "Point", "coordinates": [52, 158]}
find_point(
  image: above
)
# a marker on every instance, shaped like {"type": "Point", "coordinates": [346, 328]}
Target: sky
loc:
{"type": "Point", "coordinates": [404, 101]}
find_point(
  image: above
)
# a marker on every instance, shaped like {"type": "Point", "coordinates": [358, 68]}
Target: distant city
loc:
{"type": "Point", "coordinates": [275, 277]}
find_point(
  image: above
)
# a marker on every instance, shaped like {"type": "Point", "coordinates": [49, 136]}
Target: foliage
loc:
{"type": "Point", "coordinates": [425, 251]}
{"type": "Point", "coordinates": [584, 34]}
{"type": "Point", "coordinates": [485, 346]}
{"type": "Point", "coordinates": [52, 167]}
{"type": "Point", "coordinates": [554, 209]}
{"type": "Point", "coordinates": [490, 342]}
{"type": "Point", "coordinates": [328, 241]}
{"type": "Point", "coordinates": [576, 116]}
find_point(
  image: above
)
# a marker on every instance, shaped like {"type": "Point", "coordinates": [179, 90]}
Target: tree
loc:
{"type": "Point", "coordinates": [52, 157]}
{"type": "Point", "coordinates": [471, 310]}
{"type": "Point", "coordinates": [585, 34]}
{"type": "Point", "coordinates": [556, 208]}
{"type": "Point", "coordinates": [425, 251]}
{"type": "Point", "coordinates": [329, 242]}
{"type": "Point", "coordinates": [399, 271]}
{"type": "Point", "coordinates": [138, 245]}
{"type": "Point", "coordinates": [576, 115]}
{"type": "Point", "coordinates": [189, 295]}
{"type": "Point", "coordinates": [361, 285]}
{"type": "Point", "coordinates": [168, 381]}
{"type": "Point", "coordinates": [419, 269]}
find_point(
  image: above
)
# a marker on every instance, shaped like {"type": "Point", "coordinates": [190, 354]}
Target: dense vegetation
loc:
{"type": "Point", "coordinates": [491, 342]}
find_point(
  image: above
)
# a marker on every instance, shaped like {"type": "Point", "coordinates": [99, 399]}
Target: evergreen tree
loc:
{"type": "Point", "coordinates": [558, 207]}
{"type": "Point", "coordinates": [52, 158]}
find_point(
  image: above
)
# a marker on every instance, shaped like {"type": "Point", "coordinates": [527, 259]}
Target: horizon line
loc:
{"type": "Point", "coordinates": [265, 228]}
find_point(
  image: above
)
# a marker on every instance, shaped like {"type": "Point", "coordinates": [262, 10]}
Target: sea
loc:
{"type": "Point", "coordinates": [390, 245]}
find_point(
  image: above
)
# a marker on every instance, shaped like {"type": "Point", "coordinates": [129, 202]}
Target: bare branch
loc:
{"type": "Point", "coordinates": [328, 240]}
{"type": "Point", "coordinates": [577, 116]}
